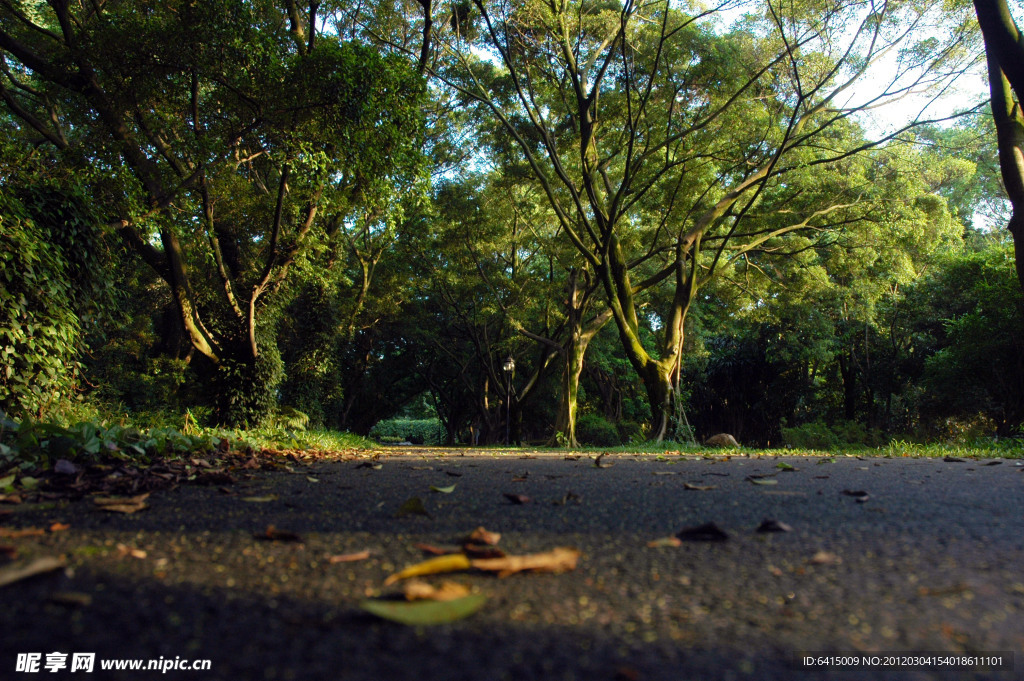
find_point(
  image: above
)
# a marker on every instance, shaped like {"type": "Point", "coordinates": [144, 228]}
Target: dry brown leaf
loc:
{"type": "Point", "coordinates": [11, 533]}
{"type": "Point", "coordinates": [59, 527]}
{"type": "Point", "coordinates": [15, 572]}
{"type": "Point", "coordinates": [825, 558]}
{"type": "Point", "coordinates": [10, 499]}
{"type": "Point", "coordinates": [274, 534]}
{"type": "Point", "coordinates": [349, 557]}
{"type": "Point", "coordinates": [124, 551]}
{"type": "Point", "coordinates": [416, 590]}
{"type": "Point", "coordinates": [122, 504]}
{"type": "Point", "coordinates": [517, 499]}
{"type": "Point", "coordinates": [450, 563]}
{"type": "Point", "coordinates": [664, 541]}
{"type": "Point", "coordinates": [482, 536]}
{"type": "Point", "coordinates": [482, 551]}
{"type": "Point", "coordinates": [557, 560]}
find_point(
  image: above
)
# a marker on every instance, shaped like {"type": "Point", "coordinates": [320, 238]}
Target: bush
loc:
{"type": "Point", "coordinates": [416, 431]}
{"type": "Point", "coordinates": [52, 284]}
{"type": "Point", "coordinates": [819, 435]}
{"type": "Point", "coordinates": [597, 431]}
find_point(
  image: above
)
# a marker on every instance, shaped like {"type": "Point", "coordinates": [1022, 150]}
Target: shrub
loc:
{"type": "Point", "coordinates": [597, 431]}
{"type": "Point", "coordinates": [819, 435]}
{"type": "Point", "coordinates": [416, 431]}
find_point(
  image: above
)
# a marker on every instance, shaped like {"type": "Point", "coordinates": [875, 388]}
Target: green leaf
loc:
{"type": "Point", "coordinates": [443, 490]}
{"type": "Point", "coordinates": [424, 613]}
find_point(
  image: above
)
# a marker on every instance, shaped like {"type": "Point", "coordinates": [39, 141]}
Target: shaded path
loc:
{"type": "Point", "coordinates": [930, 562]}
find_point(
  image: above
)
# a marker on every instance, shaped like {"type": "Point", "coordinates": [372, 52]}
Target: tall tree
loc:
{"type": "Point", "coordinates": [653, 133]}
{"type": "Point", "coordinates": [1004, 49]}
{"type": "Point", "coordinates": [238, 134]}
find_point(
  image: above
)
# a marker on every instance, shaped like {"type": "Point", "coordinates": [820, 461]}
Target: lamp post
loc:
{"type": "Point", "coordinates": [510, 370]}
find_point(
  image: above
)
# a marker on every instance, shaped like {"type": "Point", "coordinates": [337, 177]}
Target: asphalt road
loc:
{"type": "Point", "coordinates": [931, 561]}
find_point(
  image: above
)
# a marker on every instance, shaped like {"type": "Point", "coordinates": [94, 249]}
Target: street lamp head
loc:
{"type": "Point", "coordinates": [510, 365]}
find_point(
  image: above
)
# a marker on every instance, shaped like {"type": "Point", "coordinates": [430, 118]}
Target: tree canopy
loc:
{"type": "Point", "coordinates": [674, 219]}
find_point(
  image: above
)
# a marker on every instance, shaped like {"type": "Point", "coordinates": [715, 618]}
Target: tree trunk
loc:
{"type": "Point", "coordinates": [658, 382]}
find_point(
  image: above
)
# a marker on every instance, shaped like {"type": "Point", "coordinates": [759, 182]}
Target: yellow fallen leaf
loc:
{"type": "Point", "coordinates": [557, 560]}
{"type": "Point", "coordinates": [450, 563]}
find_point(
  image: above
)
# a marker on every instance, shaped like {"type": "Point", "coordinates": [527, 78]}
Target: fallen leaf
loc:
{"type": "Point", "coordinates": [10, 499]}
{"type": "Point", "coordinates": [124, 551]}
{"type": "Point", "coordinates": [784, 466]}
{"type": "Point", "coordinates": [10, 533]}
{"type": "Point", "coordinates": [666, 472]}
{"type": "Point", "coordinates": [7, 482]}
{"type": "Point", "coordinates": [261, 500]}
{"type": "Point", "coordinates": [370, 464]}
{"type": "Point", "coordinates": [122, 504]}
{"type": "Point", "coordinates": [59, 527]}
{"type": "Point", "coordinates": [412, 506]}
{"type": "Point", "coordinates": [664, 542]}
{"type": "Point", "coordinates": [824, 558]}
{"type": "Point", "coordinates": [75, 599]}
{"type": "Point", "coordinates": [598, 463]}
{"type": "Point", "coordinates": [769, 525]}
{"type": "Point", "coordinates": [954, 459]}
{"type": "Point", "coordinates": [312, 479]}
{"type": "Point", "coordinates": [482, 551]}
{"type": "Point", "coordinates": [763, 481]}
{"type": "Point", "coordinates": [482, 536]}
{"type": "Point", "coordinates": [349, 557]}
{"type": "Point", "coordinates": [448, 563]}
{"type": "Point", "coordinates": [992, 463]}
{"type": "Point", "coordinates": [274, 534]}
{"type": "Point", "coordinates": [557, 560]}
{"type": "Point", "coordinates": [8, 551]}
{"type": "Point", "coordinates": [705, 532]}
{"type": "Point", "coordinates": [699, 488]}
{"type": "Point", "coordinates": [416, 590]}
{"type": "Point", "coordinates": [15, 572]}
{"type": "Point", "coordinates": [443, 490]}
{"type": "Point", "coordinates": [517, 498]}
{"type": "Point", "coordinates": [424, 613]}
{"type": "Point", "coordinates": [860, 495]}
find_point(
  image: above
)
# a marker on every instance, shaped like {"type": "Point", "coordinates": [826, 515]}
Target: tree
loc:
{"type": "Point", "coordinates": [654, 134]}
{"type": "Point", "coordinates": [1004, 49]}
{"type": "Point", "coordinates": [233, 134]}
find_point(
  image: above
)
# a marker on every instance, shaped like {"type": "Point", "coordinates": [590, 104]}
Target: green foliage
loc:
{"type": "Point", "coordinates": [53, 285]}
{"type": "Point", "coordinates": [416, 431]}
{"type": "Point", "coordinates": [33, 444]}
{"type": "Point", "coordinates": [595, 430]}
{"type": "Point", "coordinates": [247, 388]}
{"type": "Point", "coordinates": [841, 435]}
{"type": "Point", "coordinates": [979, 365]}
